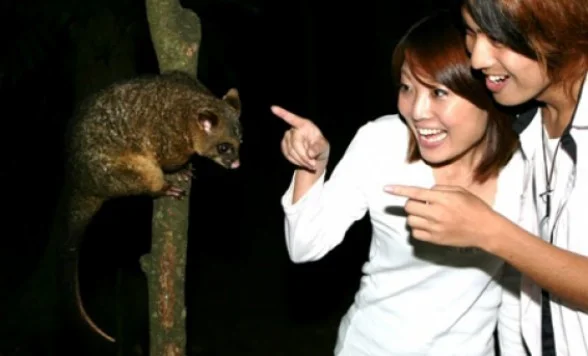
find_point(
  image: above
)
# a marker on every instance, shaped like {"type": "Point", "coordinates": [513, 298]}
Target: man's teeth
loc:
{"type": "Point", "coordinates": [497, 78]}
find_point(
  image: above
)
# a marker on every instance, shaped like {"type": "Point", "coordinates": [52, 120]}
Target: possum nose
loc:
{"type": "Point", "coordinates": [235, 164]}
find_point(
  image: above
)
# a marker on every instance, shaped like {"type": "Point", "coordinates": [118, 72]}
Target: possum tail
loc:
{"type": "Point", "coordinates": [78, 213]}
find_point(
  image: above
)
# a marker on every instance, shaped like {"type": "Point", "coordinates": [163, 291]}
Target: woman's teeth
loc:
{"type": "Point", "coordinates": [432, 135]}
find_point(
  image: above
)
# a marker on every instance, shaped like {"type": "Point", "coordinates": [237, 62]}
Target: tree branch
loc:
{"type": "Point", "coordinates": [175, 33]}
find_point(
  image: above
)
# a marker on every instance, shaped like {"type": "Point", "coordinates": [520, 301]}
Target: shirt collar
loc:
{"type": "Point", "coordinates": [528, 126]}
{"type": "Point", "coordinates": [580, 120]}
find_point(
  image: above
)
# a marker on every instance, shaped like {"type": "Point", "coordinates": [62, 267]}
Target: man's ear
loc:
{"type": "Point", "coordinates": [207, 120]}
{"type": "Point", "coordinates": [232, 97]}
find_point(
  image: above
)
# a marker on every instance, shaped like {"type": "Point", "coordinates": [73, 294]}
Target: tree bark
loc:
{"type": "Point", "coordinates": [175, 33]}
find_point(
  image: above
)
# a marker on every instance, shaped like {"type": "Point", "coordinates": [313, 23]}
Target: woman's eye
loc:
{"type": "Point", "coordinates": [402, 87]}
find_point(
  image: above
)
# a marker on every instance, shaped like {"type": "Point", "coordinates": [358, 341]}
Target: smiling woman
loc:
{"type": "Point", "coordinates": [435, 82]}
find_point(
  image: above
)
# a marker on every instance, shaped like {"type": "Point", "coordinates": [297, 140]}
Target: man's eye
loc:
{"type": "Point", "coordinates": [440, 92]}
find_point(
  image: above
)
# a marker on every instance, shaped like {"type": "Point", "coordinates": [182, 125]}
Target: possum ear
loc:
{"type": "Point", "coordinates": [232, 97]}
{"type": "Point", "coordinates": [207, 120]}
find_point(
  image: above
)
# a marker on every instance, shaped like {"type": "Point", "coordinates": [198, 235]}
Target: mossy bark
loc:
{"type": "Point", "coordinates": [175, 33]}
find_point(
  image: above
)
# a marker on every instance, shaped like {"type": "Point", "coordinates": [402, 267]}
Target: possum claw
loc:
{"type": "Point", "coordinates": [186, 174]}
{"type": "Point", "coordinates": [173, 191]}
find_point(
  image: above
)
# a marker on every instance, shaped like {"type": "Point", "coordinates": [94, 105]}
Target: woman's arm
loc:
{"type": "Point", "coordinates": [317, 214]}
{"type": "Point", "coordinates": [317, 220]}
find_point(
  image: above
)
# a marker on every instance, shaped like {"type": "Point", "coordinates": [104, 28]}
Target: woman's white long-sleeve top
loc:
{"type": "Point", "coordinates": [415, 298]}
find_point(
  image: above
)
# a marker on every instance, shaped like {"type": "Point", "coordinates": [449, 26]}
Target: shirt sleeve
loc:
{"type": "Point", "coordinates": [509, 321]}
{"type": "Point", "coordinates": [318, 221]}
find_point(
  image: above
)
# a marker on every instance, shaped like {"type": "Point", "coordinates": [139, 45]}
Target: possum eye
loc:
{"type": "Point", "coordinates": [223, 147]}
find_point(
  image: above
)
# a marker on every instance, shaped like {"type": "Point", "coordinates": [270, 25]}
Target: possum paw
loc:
{"type": "Point", "coordinates": [186, 174]}
{"type": "Point", "coordinates": [173, 191]}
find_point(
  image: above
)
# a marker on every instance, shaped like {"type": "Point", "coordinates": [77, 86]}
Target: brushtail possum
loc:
{"type": "Point", "coordinates": [124, 138]}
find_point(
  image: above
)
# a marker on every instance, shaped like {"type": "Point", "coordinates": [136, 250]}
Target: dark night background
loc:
{"type": "Point", "coordinates": [323, 60]}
